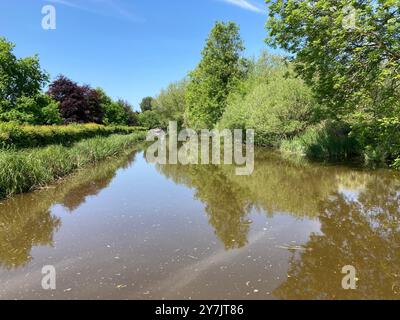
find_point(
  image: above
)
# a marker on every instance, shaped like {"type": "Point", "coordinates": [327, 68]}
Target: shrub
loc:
{"type": "Point", "coordinates": [150, 119]}
{"type": "Point", "coordinates": [272, 101]}
{"type": "Point", "coordinates": [328, 140]}
{"type": "Point", "coordinates": [171, 102]}
{"type": "Point", "coordinates": [14, 135]}
{"type": "Point", "coordinates": [378, 138]}
{"type": "Point", "coordinates": [40, 109]}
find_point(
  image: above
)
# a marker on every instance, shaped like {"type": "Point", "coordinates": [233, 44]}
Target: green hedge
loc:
{"type": "Point", "coordinates": [28, 136]}
{"type": "Point", "coordinates": [28, 169]}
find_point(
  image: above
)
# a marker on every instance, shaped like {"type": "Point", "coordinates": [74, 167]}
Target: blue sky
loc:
{"type": "Point", "coordinates": [131, 48]}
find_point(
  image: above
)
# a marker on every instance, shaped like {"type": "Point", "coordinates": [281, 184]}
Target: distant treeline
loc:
{"type": "Point", "coordinates": [334, 95]}
{"type": "Point", "coordinates": [23, 101]}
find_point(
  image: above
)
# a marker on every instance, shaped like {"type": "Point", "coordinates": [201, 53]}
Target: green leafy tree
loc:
{"type": "Point", "coordinates": [131, 116]}
{"type": "Point", "coordinates": [146, 104]}
{"type": "Point", "coordinates": [114, 113]}
{"type": "Point", "coordinates": [272, 101]}
{"type": "Point", "coordinates": [118, 112]}
{"type": "Point", "coordinates": [171, 103]}
{"type": "Point", "coordinates": [18, 77]}
{"type": "Point", "coordinates": [347, 50]}
{"type": "Point", "coordinates": [150, 119]}
{"type": "Point", "coordinates": [38, 110]}
{"type": "Point", "coordinates": [218, 72]}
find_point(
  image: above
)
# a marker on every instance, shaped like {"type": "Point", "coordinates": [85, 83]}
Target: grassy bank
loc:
{"type": "Point", "coordinates": [327, 140]}
{"type": "Point", "coordinates": [27, 136]}
{"type": "Point", "coordinates": [29, 169]}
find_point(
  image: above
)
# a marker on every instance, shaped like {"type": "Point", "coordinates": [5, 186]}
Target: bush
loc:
{"type": "Point", "coordinates": [378, 138]}
{"type": "Point", "coordinates": [328, 140]}
{"type": "Point", "coordinates": [40, 109]}
{"type": "Point", "coordinates": [272, 101]}
{"type": "Point", "coordinates": [170, 104]}
{"type": "Point", "coordinates": [14, 135]}
{"type": "Point", "coordinates": [150, 119]}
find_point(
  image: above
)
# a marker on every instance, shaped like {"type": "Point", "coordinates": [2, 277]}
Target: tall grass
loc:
{"type": "Point", "coordinates": [326, 141]}
{"type": "Point", "coordinates": [26, 170]}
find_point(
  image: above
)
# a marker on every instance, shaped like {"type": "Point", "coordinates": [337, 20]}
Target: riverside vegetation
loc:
{"type": "Point", "coordinates": [46, 136]}
{"type": "Point", "coordinates": [333, 95]}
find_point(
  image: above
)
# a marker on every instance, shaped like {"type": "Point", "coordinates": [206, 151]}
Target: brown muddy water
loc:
{"type": "Point", "coordinates": [127, 229]}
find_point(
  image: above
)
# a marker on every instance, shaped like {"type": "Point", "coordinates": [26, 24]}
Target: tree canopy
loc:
{"type": "Point", "coordinates": [78, 104]}
{"type": "Point", "coordinates": [348, 51]}
{"type": "Point", "coordinates": [219, 70]}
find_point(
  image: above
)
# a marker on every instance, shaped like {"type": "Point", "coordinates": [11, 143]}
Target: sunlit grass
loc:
{"type": "Point", "coordinates": [26, 170]}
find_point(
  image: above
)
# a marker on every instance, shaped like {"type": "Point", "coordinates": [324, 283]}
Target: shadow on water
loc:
{"type": "Point", "coordinates": [26, 220]}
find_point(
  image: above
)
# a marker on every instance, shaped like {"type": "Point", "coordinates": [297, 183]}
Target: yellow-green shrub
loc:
{"type": "Point", "coordinates": [28, 136]}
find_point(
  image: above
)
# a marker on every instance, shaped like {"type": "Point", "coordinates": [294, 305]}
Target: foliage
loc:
{"type": "Point", "coordinates": [146, 104]}
{"type": "Point", "coordinates": [170, 103]}
{"type": "Point", "coordinates": [329, 140]}
{"type": "Point", "coordinates": [131, 116]}
{"type": "Point", "coordinates": [78, 104]}
{"type": "Point", "coordinates": [272, 101]}
{"type": "Point", "coordinates": [150, 119]}
{"type": "Point", "coordinates": [218, 72]}
{"type": "Point", "coordinates": [348, 51]}
{"type": "Point", "coordinates": [116, 112]}
{"type": "Point", "coordinates": [18, 77]}
{"type": "Point", "coordinates": [13, 135]}
{"type": "Point", "coordinates": [40, 109]}
{"type": "Point", "coordinates": [380, 138]}
{"type": "Point", "coordinates": [26, 170]}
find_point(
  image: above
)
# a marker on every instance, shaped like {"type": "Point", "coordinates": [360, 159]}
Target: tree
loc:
{"type": "Point", "coordinates": [21, 81]}
{"type": "Point", "coordinates": [18, 77]}
{"type": "Point", "coordinates": [131, 116]}
{"type": "Point", "coordinates": [347, 50]}
{"type": "Point", "coordinates": [38, 110]}
{"type": "Point", "coordinates": [272, 100]}
{"type": "Point", "coordinates": [146, 104]}
{"type": "Point", "coordinates": [171, 103]}
{"type": "Point", "coordinates": [114, 113]}
{"type": "Point", "coordinates": [149, 119]}
{"type": "Point", "coordinates": [118, 112]}
{"type": "Point", "coordinates": [217, 73]}
{"type": "Point", "coordinates": [80, 104]}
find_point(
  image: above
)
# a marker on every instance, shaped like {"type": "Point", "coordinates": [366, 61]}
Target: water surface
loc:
{"type": "Point", "coordinates": [127, 229]}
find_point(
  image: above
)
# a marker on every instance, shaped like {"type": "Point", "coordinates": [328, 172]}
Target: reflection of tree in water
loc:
{"type": "Point", "coordinates": [26, 220]}
{"type": "Point", "coordinates": [363, 232]}
{"type": "Point", "coordinates": [98, 181]}
{"type": "Point", "coordinates": [21, 228]}
{"type": "Point", "coordinates": [226, 203]}
{"type": "Point", "coordinates": [276, 185]}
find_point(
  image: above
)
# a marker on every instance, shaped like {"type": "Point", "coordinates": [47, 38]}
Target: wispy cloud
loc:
{"type": "Point", "coordinates": [247, 5]}
{"type": "Point", "coordinates": [102, 7]}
